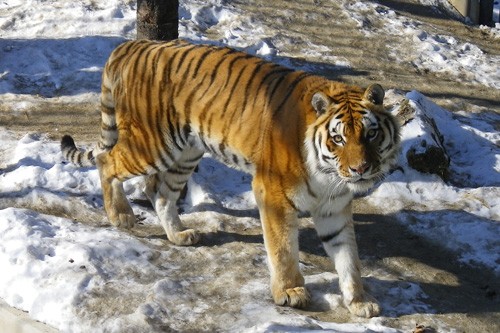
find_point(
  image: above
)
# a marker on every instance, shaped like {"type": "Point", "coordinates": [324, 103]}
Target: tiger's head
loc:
{"type": "Point", "coordinates": [353, 138]}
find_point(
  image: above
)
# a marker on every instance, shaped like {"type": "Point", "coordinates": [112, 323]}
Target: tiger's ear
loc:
{"type": "Point", "coordinates": [375, 94]}
{"type": "Point", "coordinates": [320, 102]}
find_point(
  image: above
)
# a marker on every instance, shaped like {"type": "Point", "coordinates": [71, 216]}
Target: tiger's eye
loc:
{"type": "Point", "coordinates": [337, 139]}
{"type": "Point", "coordinates": [372, 133]}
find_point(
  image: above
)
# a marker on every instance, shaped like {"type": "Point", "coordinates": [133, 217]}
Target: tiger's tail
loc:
{"type": "Point", "coordinates": [74, 155]}
{"type": "Point", "coordinates": [109, 135]}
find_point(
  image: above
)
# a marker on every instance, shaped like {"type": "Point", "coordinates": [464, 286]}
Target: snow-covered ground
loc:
{"type": "Point", "coordinates": [87, 276]}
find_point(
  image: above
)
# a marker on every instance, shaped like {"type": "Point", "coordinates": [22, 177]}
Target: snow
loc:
{"type": "Point", "coordinates": [429, 51]}
{"type": "Point", "coordinates": [58, 257]}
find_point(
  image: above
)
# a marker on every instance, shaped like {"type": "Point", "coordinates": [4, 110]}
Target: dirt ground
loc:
{"type": "Point", "coordinates": [368, 56]}
{"type": "Point", "coordinates": [466, 298]}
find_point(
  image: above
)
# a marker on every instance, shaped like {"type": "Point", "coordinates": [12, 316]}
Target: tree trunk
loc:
{"type": "Point", "coordinates": [157, 19]}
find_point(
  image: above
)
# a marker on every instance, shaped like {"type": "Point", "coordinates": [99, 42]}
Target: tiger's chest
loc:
{"type": "Point", "coordinates": [321, 197]}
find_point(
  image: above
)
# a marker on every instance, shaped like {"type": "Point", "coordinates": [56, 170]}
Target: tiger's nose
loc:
{"type": "Point", "coordinates": [360, 169]}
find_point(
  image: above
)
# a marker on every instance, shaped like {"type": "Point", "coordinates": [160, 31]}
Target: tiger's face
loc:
{"type": "Point", "coordinates": [354, 139]}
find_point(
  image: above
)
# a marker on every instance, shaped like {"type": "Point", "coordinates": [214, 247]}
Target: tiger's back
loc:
{"type": "Point", "coordinates": [309, 142]}
{"type": "Point", "coordinates": [219, 95]}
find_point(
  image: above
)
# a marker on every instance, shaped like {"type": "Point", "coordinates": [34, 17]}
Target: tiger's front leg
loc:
{"type": "Point", "coordinates": [336, 231]}
{"type": "Point", "coordinates": [280, 227]}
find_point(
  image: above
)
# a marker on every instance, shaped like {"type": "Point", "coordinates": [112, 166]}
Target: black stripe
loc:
{"type": "Point", "coordinates": [155, 64]}
{"type": "Point", "coordinates": [231, 65]}
{"type": "Point", "coordinates": [222, 148]}
{"type": "Point", "coordinates": [212, 150]}
{"type": "Point", "coordinates": [163, 93]}
{"type": "Point", "coordinates": [291, 88]}
{"type": "Point", "coordinates": [188, 104]}
{"type": "Point", "coordinates": [151, 115]}
{"type": "Point", "coordinates": [164, 147]}
{"type": "Point", "coordinates": [145, 70]}
{"type": "Point", "coordinates": [236, 160]}
{"type": "Point", "coordinates": [105, 127]}
{"type": "Point", "coordinates": [128, 164]}
{"type": "Point", "coordinates": [273, 84]}
{"type": "Point", "coordinates": [163, 161]}
{"type": "Point", "coordinates": [107, 110]}
{"type": "Point", "coordinates": [229, 98]}
{"type": "Point", "coordinates": [172, 188]}
{"type": "Point", "coordinates": [207, 106]}
{"type": "Point", "coordinates": [133, 161]}
{"type": "Point", "coordinates": [101, 145]}
{"type": "Point", "coordinates": [137, 56]}
{"type": "Point", "coordinates": [131, 103]}
{"type": "Point", "coordinates": [160, 144]}
{"type": "Point", "coordinates": [178, 171]}
{"type": "Point", "coordinates": [182, 81]}
{"type": "Point", "coordinates": [79, 157]}
{"type": "Point", "coordinates": [195, 159]}
{"type": "Point", "coordinates": [253, 76]}
{"type": "Point", "coordinates": [203, 113]}
{"type": "Point", "coordinates": [290, 202]}
{"type": "Point", "coordinates": [90, 157]}
{"type": "Point", "coordinates": [167, 68]}
{"type": "Point", "coordinates": [392, 130]}
{"type": "Point", "coordinates": [183, 57]}
{"type": "Point", "coordinates": [275, 87]}
{"type": "Point", "coordinates": [280, 70]}
{"type": "Point", "coordinates": [310, 190]}
{"type": "Point", "coordinates": [184, 134]}
{"type": "Point", "coordinates": [201, 59]}
{"type": "Point", "coordinates": [215, 71]}
{"type": "Point", "coordinates": [185, 168]}
{"type": "Point", "coordinates": [156, 167]}
{"type": "Point", "coordinates": [209, 125]}
{"type": "Point", "coordinates": [71, 155]}
{"type": "Point", "coordinates": [122, 51]}
{"type": "Point", "coordinates": [329, 237]}
{"type": "Point", "coordinates": [173, 131]}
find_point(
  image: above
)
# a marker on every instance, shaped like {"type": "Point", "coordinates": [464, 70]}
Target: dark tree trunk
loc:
{"type": "Point", "coordinates": [157, 19]}
{"type": "Point", "coordinates": [486, 12]}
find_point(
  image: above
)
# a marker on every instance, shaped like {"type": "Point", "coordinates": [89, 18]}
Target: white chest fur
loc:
{"type": "Point", "coordinates": [323, 197]}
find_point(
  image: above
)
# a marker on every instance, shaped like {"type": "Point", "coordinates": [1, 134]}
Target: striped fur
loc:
{"type": "Point", "coordinates": [310, 144]}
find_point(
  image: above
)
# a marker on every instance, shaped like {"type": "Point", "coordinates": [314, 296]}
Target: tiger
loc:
{"type": "Point", "coordinates": [310, 144]}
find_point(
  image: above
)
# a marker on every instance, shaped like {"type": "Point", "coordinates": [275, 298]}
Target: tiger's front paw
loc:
{"type": "Point", "coordinates": [185, 237]}
{"type": "Point", "coordinates": [297, 297]}
{"type": "Point", "coordinates": [366, 306]}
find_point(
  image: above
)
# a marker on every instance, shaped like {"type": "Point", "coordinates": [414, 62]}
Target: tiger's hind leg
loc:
{"type": "Point", "coordinates": [164, 188]}
{"type": "Point", "coordinates": [112, 174]}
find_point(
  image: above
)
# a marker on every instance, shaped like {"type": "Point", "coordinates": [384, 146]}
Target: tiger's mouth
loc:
{"type": "Point", "coordinates": [360, 184]}
{"type": "Point", "coordinates": [360, 180]}
{"type": "Point", "coordinates": [363, 179]}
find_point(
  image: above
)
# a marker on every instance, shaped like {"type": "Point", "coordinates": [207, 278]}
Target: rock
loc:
{"type": "Point", "coordinates": [423, 144]}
